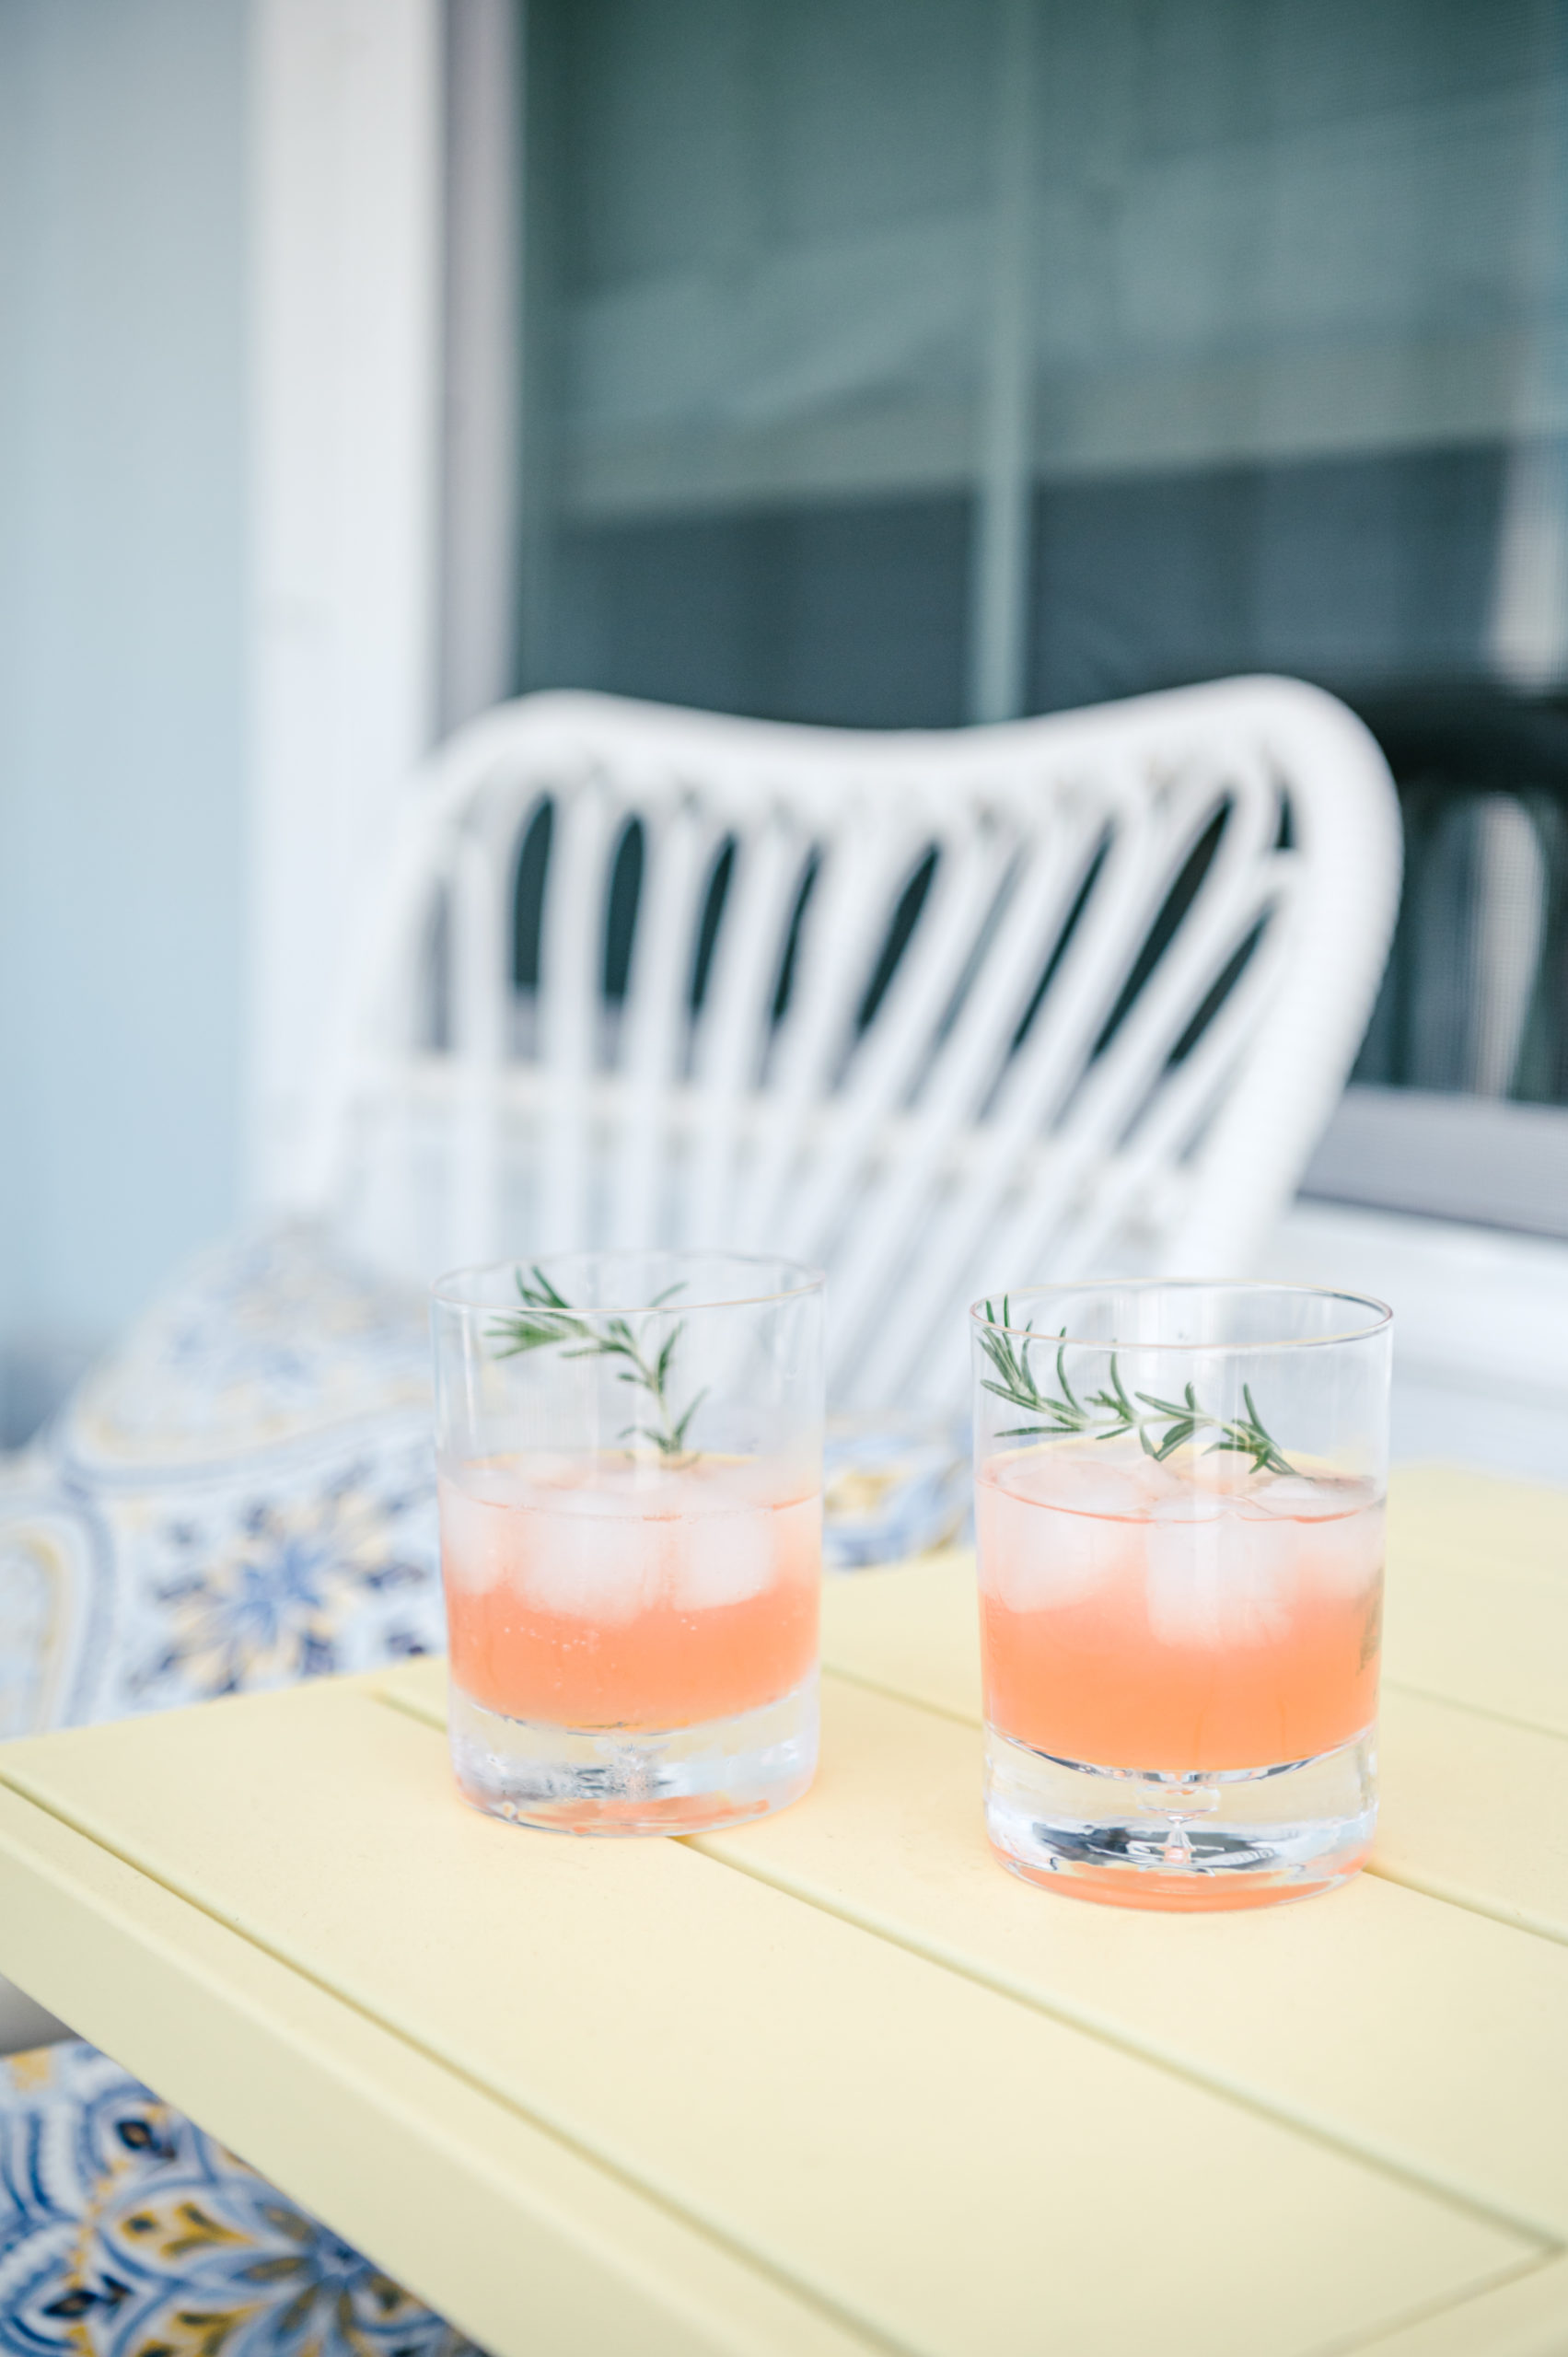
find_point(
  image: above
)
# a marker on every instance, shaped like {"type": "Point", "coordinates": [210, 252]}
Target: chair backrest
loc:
{"type": "Point", "coordinates": [1069, 996]}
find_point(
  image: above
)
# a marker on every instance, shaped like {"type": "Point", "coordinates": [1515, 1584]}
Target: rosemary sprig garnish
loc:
{"type": "Point", "coordinates": [1106, 1414]}
{"type": "Point", "coordinates": [546, 1321]}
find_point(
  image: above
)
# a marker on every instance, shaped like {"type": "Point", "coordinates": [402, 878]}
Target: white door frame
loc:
{"type": "Point", "coordinates": [346, 423]}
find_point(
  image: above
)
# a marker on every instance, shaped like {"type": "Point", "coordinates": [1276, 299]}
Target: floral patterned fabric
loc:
{"type": "Point", "coordinates": [126, 2231]}
{"type": "Point", "coordinates": [242, 1495]}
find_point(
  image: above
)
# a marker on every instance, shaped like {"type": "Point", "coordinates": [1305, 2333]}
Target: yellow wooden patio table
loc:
{"type": "Point", "coordinates": [835, 2082]}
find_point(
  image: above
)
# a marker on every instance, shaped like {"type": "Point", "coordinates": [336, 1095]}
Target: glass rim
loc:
{"type": "Point", "coordinates": [809, 1280]}
{"type": "Point", "coordinates": [1381, 1318]}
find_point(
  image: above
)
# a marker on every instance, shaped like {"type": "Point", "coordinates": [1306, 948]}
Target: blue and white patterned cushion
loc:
{"type": "Point", "coordinates": [240, 1495]}
{"type": "Point", "coordinates": [126, 2230]}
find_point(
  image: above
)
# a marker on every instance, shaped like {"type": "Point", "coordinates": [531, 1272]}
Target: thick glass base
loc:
{"type": "Point", "coordinates": [1242, 1838]}
{"type": "Point", "coordinates": [635, 1779]}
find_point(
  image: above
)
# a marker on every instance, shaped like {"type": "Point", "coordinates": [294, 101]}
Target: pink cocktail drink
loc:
{"type": "Point", "coordinates": [613, 1591]}
{"type": "Point", "coordinates": [1176, 1628]}
{"type": "Point", "coordinates": [1178, 1511]}
{"type": "Point", "coordinates": [630, 1453]}
{"type": "Point", "coordinates": [1184, 1616]}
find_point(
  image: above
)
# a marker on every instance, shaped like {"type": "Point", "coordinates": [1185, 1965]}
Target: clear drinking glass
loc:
{"type": "Point", "coordinates": [630, 1452]}
{"type": "Point", "coordinates": [1178, 1510]}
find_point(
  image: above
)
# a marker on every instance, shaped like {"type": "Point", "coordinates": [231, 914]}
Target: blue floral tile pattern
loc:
{"type": "Point", "coordinates": [126, 2231]}
{"type": "Point", "coordinates": [240, 1495]}
{"type": "Point", "coordinates": [232, 1585]}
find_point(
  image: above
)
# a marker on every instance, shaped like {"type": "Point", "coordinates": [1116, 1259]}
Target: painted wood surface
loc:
{"type": "Point", "coordinates": [835, 2080]}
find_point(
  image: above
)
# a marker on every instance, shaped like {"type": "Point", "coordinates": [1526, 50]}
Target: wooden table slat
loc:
{"type": "Point", "coordinates": [521, 2242]}
{"type": "Point", "coordinates": [887, 2135]}
{"type": "Point", "coordinates": [1482, 1519]}
{"type": "Point", "coordinates": [1339, 2015]}
{"type": "Point", "coordinates": [1474, 1811]}
{"type": "Point", "coordinates": [1478, 1593]}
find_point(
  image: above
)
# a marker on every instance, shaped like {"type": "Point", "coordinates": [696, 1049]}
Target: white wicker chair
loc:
{"type": "Point", "coordinates": [1030, 1092]}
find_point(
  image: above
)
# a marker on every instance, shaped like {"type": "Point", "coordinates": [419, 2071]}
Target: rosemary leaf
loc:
{"type": "Point", "coordinates": [1109, 1413]}
{"type": "Point", "coordinates": [547, 1320]}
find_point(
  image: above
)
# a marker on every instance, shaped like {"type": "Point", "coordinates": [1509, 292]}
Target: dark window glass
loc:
{"type": "Point", "coordinates": [895, 363]}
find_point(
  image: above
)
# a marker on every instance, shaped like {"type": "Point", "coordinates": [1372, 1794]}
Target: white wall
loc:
{"type": "Point", "coordinates": [122, 483]}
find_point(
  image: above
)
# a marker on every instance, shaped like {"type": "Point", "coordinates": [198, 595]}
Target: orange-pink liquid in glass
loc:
{"type": "Point", "coordinates": [607, 1590]}
{"type": "Point", "coordinates": [1186, 1618]}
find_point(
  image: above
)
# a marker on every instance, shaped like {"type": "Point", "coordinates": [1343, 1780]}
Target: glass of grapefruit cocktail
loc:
{"type": "Point", "coordinates": [1179, 1509]}
{"type": "Point", "coordinates": [630, 1454]}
